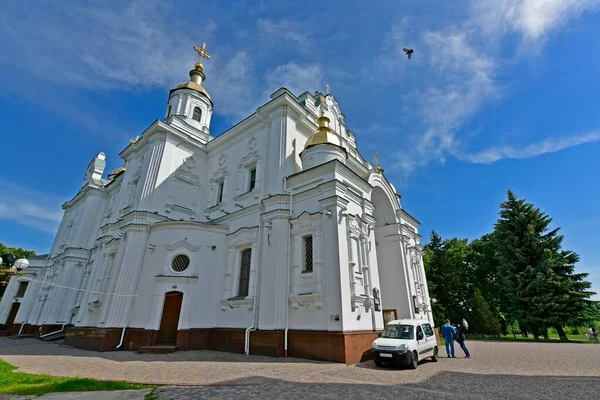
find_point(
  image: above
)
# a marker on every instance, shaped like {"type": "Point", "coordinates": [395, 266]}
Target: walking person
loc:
{"type": "Point", "coordinates": [448, 333]}
{"type": "Point", "coordinates": [460, 338]}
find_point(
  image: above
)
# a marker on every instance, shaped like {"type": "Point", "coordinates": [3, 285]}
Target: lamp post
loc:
{"type": "Point", "coordinates": [15, 266]}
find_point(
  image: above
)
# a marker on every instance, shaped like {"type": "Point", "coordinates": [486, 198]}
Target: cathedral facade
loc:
{"type": "Point", "coordinates": [274, 238]}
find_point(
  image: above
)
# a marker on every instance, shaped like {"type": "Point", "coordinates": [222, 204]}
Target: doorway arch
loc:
{"type": "Point", "coordinates": [169, 321]}
{"type": "Point", "coordinates": [388, 248]}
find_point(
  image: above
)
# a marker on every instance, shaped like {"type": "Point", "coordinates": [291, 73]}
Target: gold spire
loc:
{"type": "Point", "coordinates": [203, 54]}
{"type": "Point", "coordinates": [323, 134]}
{"type": "Point", "coordinates": [197, 74]}
{"type": "Point", "coordinates": [377, 166]}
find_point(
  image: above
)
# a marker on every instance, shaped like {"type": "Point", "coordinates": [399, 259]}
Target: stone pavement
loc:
{"type": "Point", "coordinates": [104, 395]}
{"type": "Point", "coordinates": [499, 370]}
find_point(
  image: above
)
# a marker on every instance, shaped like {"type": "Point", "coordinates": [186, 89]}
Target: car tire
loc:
{"type": "Point", "coordinates": [435, 357]}
{"type": "Point", "coordinates": [414, 361]}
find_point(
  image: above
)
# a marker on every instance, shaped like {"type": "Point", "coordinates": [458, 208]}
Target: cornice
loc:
{"type": "Point", "coordinates": [194, 225]}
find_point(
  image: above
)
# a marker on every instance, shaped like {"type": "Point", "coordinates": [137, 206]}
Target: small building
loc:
{"type": "Point", "coordinates": [275, 238]}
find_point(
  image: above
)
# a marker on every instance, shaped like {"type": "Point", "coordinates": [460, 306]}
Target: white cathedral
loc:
{"type": "Point", "coordinates": [274, 238]}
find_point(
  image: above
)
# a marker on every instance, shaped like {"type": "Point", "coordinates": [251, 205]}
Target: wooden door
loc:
{"type": "Point", "coordinates": [388, 315]}
{"type": "Point", "coordinates": [167, 333]}
{"type": "Point", "coordinates": [12, 315]}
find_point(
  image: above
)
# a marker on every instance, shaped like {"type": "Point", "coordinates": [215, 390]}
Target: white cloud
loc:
{"type": "Point", "coordinates": [460, 68]}
{"type": "Point", "coordinates": [532, 150]}
{"type": "Point", "coordinates": [271, 31]}
{"type": "Point", "coordinates": [463, 80]}
{"type": "Point", "coordinates": [30, 207]}
{"type": "Point", "coordinates": [533, 19]}
{"type": "Point", "coordinates": [296, 78]}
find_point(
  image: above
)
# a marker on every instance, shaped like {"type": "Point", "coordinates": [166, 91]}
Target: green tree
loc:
{"type": "Point", "coordinates": [483, 319]}
{"type": "Point", "coordinates": [448, 277]}
{"type": "Point", "coordinates": [535, 275]}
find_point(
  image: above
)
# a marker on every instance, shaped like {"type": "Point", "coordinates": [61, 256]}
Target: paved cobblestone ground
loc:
{"type": "Point", "coordinates": [497, 370]}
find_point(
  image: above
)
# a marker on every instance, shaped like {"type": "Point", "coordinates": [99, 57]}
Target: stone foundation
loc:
{"type": "Point", "coordinates": [343, 347]}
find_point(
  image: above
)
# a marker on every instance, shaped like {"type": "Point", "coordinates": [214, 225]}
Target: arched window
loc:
{"type": "Point", "coordinates": [197, 114]}
{"type": "Point", "coordinates": [244, 279]}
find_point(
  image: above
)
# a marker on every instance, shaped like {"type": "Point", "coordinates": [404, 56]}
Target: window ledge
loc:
{"type": "Point", "coordinates": [235, 302]}
{"type": "Point", "coordinates": [244, 196]}
{"type": "Point", "coordinates": [306, 299]}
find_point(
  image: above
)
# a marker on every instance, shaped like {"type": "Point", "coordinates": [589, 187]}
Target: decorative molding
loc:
{"type": "Point", "coordinates": [219, 174]}
{"type": "Point", "coordinates": [235, 303]}
{"type": "Point", "coordinates": [183, 243]}
{"type": "Point", "coordinates": [252, 142]}
{"type": "Point", "coordinates": [305, 300]}
{"type": "Point", "coordinates": [243, 236]}
{"type": "Point", "coordinates": [222, 159]}
{"type": "Point", "coordinates": [249, 159]}
{"type": "Point", "coordinates": [306, 223]}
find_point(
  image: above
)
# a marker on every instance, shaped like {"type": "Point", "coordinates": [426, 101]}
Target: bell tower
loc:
{"type": "Point", "coordinates": [189, 102]}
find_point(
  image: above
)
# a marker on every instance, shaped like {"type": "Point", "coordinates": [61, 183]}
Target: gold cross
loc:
{"type": "Point", "coordinates": [202, 52]}
{"type": "Point", "coordinates": [327, 86]}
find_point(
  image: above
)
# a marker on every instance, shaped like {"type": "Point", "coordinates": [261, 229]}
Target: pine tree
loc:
{"type": "Point", "coordinates": [483, 319]}
{"type": "Point", "coordinates": [539, 286]}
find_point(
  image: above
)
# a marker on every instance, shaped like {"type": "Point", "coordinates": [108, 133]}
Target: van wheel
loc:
{"type": "Point", "coordinates": [414, 361]}
{"type": "Point", "coordinates": [435, 356]}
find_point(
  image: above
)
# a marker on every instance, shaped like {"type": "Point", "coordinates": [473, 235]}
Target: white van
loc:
{"type": "Point", "coordinates": [405, 342]}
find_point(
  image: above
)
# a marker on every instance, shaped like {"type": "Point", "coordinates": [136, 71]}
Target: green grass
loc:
{"type": "Point", "coordinates": [551, 339]}
{"type": "Point", "coordinates": [14, 382]}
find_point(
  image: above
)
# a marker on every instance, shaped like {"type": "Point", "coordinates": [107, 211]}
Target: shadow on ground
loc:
{"type": "Point", "coordinates": [444, 385]}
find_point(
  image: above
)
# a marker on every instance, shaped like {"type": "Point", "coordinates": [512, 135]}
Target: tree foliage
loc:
{"type": "Point", "coordinates": [519, 273]}
{"type": "Point", "coordinates": [18, 253]}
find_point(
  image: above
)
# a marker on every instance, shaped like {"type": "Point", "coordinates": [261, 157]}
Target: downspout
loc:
{"type": "Point", "coordinates": [137, 282]}
{"type": "Point", "coordinates": [289, 262]}
{"type": "Point", "coordinates": [253, 327]}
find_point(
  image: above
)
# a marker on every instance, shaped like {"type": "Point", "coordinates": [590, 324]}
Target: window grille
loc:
{"type": "Point", "coordinates": [308, 253]}
{"type": "Point", "coordinates": [252, 179]}
{"type": "Point", "coordinates": [220, 192]}
{"type": "Point", "coordinates": [197, 114]}
{"type": "Point", "coordinates": [22, 289]}
{"type": "Point", "coordinates": [244, 280]}
{"type": "Point", "coordinates": [180, 263]}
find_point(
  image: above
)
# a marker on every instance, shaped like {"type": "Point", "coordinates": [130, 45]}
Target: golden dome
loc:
{"type": "Point", "coordinates": [193, 86]}
{"type": "Point", "coordinates": [323, 135]}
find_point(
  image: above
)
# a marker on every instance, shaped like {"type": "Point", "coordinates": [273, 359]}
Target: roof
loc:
{"type": "Point", "coordinates": [407, 321]}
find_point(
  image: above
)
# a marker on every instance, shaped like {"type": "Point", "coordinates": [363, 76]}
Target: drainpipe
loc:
{"type": "Point", "coordinates": [137, 282]}
{"type": "Point", "coordinates": [253, 327]}
{"type": "Point", "coordinates": [289, 262]}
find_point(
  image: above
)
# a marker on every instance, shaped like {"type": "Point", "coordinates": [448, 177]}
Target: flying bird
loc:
{"type": "Point", "coordinates": [408, 52]}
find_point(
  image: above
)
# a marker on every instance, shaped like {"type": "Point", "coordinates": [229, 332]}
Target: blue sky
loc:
{"type": "Point", "coordinates": [499, 94]}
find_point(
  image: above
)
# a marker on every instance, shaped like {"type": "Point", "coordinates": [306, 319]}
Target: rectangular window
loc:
{"type": "Point", "coordinates": [220, 192]}
{"type": "Point", "coordinates": [428, 330]}
{"type": "Point", "coordinates": [22, 289]}
{"type": "Point", "coordinates": [252, 184]}
{"type": "Point", "coordinates": [308, 253]}
{"type": "Point", "coordinates": [244, 278]}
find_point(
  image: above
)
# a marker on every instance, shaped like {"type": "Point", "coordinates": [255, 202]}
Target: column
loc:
{"type": "Point", "coordinates": [229, 273]}
{"type": "Point", "coordinates": [253, 265]}
{"type": "Point", "coordinates": [158, 146]}
{"type": "Point", "coordinates": [317, 263]}
{"type": "Point", "coordinates": [240, 182]}
{"type": "Point", "coordinates": [126, 282]}
{"type": "Point", "coordinates": [297, 266]}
